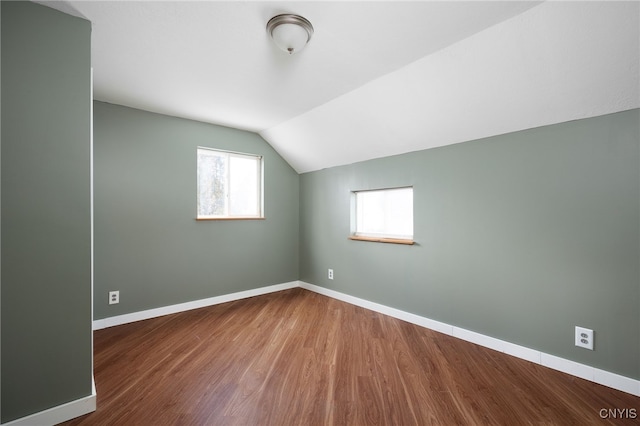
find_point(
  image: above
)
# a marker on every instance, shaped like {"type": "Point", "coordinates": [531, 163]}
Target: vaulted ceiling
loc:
{"type": "Point", "coordinates": [377, 79]}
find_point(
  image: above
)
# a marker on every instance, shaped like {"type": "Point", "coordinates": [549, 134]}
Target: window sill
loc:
{"type": "Point", "coordinates": [382, 240]}
{"type": "Point", "coordinates": [228, 218]}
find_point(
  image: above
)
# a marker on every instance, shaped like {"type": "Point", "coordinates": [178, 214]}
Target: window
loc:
{"type": "Point", "coordinates": [229, 185]}
{"type": "Point", "coordinates": [384, 215]}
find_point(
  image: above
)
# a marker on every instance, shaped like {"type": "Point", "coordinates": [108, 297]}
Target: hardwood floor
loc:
{"type": "Point", "coordinates": [299, 358]}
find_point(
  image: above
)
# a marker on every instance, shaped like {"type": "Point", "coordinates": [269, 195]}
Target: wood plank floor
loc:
{"type": "Point", "coordinates": [300, 358]}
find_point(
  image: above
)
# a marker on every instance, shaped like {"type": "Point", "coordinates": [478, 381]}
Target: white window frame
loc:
{"type": "Point", "coordinates": [259, 183]}
{"type": "Point", "coordinates": [356, 231]}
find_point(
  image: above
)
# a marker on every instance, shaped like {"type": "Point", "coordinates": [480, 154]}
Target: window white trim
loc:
{"type": "Point", "coordinates": [387, 226]}
{"type": "Point", "coordinates": [229, 155]}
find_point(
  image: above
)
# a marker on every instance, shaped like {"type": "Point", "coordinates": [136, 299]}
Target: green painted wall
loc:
{"type": "Point", "coordinates": [148, 244]}
{"type": "Point", "coordinates": [46, 246]}
{"type": "Point", "coordinates": [520, 237]}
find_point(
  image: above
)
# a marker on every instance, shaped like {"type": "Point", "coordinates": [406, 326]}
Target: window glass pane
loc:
{"type": "Point", "coordinates": [212, 172]}
{"type": "Point", "coordinates": [229, 184]}
{"type": "Point", "coordinates": [243, 186]}
{"type": "Point", "coordinates": [387, 213]}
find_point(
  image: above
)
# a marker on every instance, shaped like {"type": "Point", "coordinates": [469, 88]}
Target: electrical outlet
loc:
{"type": "Point", "coordinates": [114, 297]}
{"type": "Point", "coordinates": [584, 338]}
{"type": "Point", "coordinates": [330, 274]}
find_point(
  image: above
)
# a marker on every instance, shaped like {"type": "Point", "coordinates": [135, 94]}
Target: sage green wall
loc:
{"type": "Point", "coordinates": [46, 229]}
{"type": "Point", "coordinates": [520, 237]}
{"type": "Point", "coordinates": [148, 244]}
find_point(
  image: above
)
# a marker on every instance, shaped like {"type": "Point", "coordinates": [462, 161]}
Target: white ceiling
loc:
{"type": "Point", "coordinates": [377, 79]}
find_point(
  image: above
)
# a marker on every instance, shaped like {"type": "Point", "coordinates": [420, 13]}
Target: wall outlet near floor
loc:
{"type": "Point", "coordinates": [584, 338]}
{"type": "Point", "coordinates": [114, 297]}
{"type": "Point", "coordinates": [330, 274]}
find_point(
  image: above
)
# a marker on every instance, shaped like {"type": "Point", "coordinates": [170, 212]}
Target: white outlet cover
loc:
{"type": "Point", "coordinates": [584, 338]}
{"type": "Point", "coordinates": [330, 274]}
{"type": "Point", "coordinates": [114, 297]}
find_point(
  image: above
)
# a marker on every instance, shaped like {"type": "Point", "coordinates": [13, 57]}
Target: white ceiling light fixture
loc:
{"type": "Point", "coordinates": [290, 33]}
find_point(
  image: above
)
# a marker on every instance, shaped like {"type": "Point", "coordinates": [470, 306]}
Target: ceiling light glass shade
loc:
{"type": "Point", "coordinates": [290, 33]}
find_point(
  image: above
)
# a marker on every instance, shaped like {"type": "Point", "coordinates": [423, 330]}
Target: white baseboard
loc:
{"type": "Point", "coordinates": [181, 307]}
{"type": "Point", "coordinates": [60, 413]}
{"type": "Point", "coordinates": [573, 368]}
{"type": "Point", "coordinates": [87, 404]}
{"type": "Point", "coordinates": [593, 374]}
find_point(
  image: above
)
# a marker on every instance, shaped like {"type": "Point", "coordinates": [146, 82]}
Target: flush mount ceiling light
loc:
{"type": "Point", "coordinates": [290, 33]}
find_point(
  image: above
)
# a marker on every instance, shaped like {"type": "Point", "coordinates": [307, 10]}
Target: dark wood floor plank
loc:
{"type": "Point", "coordinates": [300, 358]}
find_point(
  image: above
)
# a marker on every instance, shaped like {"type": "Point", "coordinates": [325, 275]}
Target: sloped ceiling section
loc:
{"type": "Point", "coordinates": [554, 63]}
{"type": "Point", "coordinates": [378, 78]}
